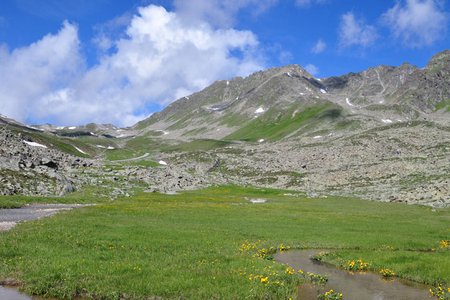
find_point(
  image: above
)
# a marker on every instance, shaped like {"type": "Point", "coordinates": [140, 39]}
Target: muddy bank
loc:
{"type": "Point", "coordinates": [353, 286]}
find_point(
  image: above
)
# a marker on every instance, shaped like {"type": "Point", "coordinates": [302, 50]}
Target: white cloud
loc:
{"type": "Point", "coordinates": [29, 74]}
{"type": "Point", "coordinates": [221, 13]}
{"type": "Point", "coordinates": [161, 58]}
{"type": "Point", "coordinates": [312, 69]}
{"type": "Point", "coordinates": [319, 47]}
{"type": "Point", "coordinates": [353, 32]}
{"type": "Point", "coordinates": [417, 22]}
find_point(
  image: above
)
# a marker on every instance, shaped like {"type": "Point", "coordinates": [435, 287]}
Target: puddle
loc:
{"type": "Point", "coordinates": [8, 293]}
{"type": "Point", "coordinates": [10, 217]}
{"type": "Point", "coordinates": [354, 286]}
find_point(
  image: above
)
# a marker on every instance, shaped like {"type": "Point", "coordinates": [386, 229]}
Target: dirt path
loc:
{"type": "Point", "coordinates": [132, 159]}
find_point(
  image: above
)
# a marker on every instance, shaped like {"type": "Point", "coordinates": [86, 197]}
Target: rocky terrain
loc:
{"type": "Point", "coordinates": [31, 168]}
{"type": "Point", "coordinates": [382, 134]}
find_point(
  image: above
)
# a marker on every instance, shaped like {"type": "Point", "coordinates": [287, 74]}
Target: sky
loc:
{"type": "Point", "coordinates": [72, 62]}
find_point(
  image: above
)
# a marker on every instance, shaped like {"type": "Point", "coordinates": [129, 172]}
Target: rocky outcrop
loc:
{"type": "Point", "coordinates": [32, 167]}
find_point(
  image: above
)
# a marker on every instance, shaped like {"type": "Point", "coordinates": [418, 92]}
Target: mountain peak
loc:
{"type": "Point", "coordinates": [439, 61]}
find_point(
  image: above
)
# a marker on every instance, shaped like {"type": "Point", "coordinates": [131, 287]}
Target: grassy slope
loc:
{"type": "Point", "coordinates": [186, 246]}
{"type": "Point", "coordinates": [269, 127]}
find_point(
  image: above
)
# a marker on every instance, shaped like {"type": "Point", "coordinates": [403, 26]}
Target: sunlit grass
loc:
{"type": "Point", "coordinates": [188, 245]}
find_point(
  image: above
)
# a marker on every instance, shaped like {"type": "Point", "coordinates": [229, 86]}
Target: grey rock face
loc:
{"type": "Point", "coordinates": [28, 167]}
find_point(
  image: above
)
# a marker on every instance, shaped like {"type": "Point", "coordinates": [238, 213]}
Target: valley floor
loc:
{"type": "Point", "coordinates": [216, 244]}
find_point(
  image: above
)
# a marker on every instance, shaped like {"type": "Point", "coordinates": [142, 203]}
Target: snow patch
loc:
{"type": "Point", "coordinates": [302, 94]}
{"type": "Point", "coordinates": [228, 83]}
{"type": "Point", "coordinates": [79, 150]}
{"type": "Point", "coordinates": [100, 146]}
{"type": "Point", "coordinates": [348, 102]}
{"type": "Point", "coordinates": [110, 148]}
{"type": "Point", "coordinates": [237, 98]}
{"type": "Point", "coordinates": [163, 132]}
{"type": "Point", "coordinates": [72, 127]}
{"type": "Point", "coordinates": [91, 133]}
{"type": "Point", "coordinates": [317, 137]}
{"type": "Point", "coordinates": [162, 163]}
{"type": "Point", "coordinates": [258, 201]}
{"type": "Point", "coordinates": [187, 98]}
{"type": "Point", "coordinates": [34, 144]}
{"type": "Point", "coordinates": [386, 121]}
{"type": "Point", "coordinates": [261, 140]}
{"type": "Point", "coordinates": [289, 74]}
{"type": "Point", "coordinates": [259, 110]}
{"type": "Point", "coordinates": [60, 127]}
{"type": "Point", "coordinates": [323, 91]}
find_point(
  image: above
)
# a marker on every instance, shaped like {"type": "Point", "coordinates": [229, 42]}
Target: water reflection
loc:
{"type": "Point", "coordinates": [354, 286]}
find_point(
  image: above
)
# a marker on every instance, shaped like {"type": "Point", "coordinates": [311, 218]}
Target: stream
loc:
{"type": "Point", "coordinates": [10, 217]}
{"type": "Point", "coordinates": [9, 293]}
{"type": "Point", "coordinates": [353, 286]}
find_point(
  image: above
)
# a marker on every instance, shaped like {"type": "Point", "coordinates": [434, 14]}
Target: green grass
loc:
{"type": "Point", "coordinates": [186, 246]}
{"type": "Point", "coordinates": [88, 195]}
{"type": "Point", "coordinates": [201, 144]}
{"type": "Point", "coordinates": [443, 105]}
{"type": "Point", "coordinates": [275, 125]}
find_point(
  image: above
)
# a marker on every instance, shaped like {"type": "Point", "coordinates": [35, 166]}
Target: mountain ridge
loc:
{"type": "Point", "coordinates": [381, 134]}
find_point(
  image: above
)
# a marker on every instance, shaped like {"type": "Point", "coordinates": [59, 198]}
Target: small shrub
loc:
{"type": "Point", "coordinates": [330, 295]}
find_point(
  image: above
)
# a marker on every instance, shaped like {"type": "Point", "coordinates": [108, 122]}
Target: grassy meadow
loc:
{"type": "Point", "coordinates": [215, 244]}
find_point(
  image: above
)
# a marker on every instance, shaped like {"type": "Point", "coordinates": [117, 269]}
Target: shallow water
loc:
{"type": "Point", "coordinates": [7, 293]}
{"type": "Point", "coordinates": [353, 286]}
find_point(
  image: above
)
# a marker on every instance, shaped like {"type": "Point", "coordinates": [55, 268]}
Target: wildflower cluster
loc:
{"type": "Point", "coordinates": [356, 265]}
{"type": "Point", "coordinates": [265, 253]}
{"type": "Point", "coordinates": [444, 244]}
{"type": "Point", "coordinates": [283, 248]}
{"type": "Point", "coordinates": [290, 271]}
{"type": "Point", "coordinates": [330, 295]}
{"type": "Point", "coordinates": [277, 281]}
{"type": "Point", "coordinates": [440, 292]}
{"type": "Point", "coordinates": [261, 252]}
{"type": "Point", "coordinates": [259, 278]}
{"type": "Point", "coordinates": [316, 278]}
{"type": "Point", "coordinates": [387, 273]}
{"type": "Point", "coordinates": [248, 246]}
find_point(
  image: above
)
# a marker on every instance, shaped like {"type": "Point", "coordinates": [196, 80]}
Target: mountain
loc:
{"type": "Point", "coordinates": [381, 134]}
{"type": "Point", "coordinates": [283, 102]}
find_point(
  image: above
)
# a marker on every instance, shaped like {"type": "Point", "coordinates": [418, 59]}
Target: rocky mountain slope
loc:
{"type": "Point", "coordinates": [382, 134]}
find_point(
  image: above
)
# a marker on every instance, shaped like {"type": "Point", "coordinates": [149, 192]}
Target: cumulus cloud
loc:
{"type": "Point", "coordinates": [28, 74]}
{"type": "Point", "coordinates": [220, 13]}
{"type": "Point", "coordinates": [355, 32]}
{"type": "Point", "coordinates": [312, 69]}
{"type": "Point", "coordinates": [161, 57]}
{"type": "Point", "coordinates": [417, 23]}
{"type": "Point", "coordinates": [319, 47]}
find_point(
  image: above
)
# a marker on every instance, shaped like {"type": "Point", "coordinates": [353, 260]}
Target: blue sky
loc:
{"type": "Point", "coordinates": [108, 61]}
